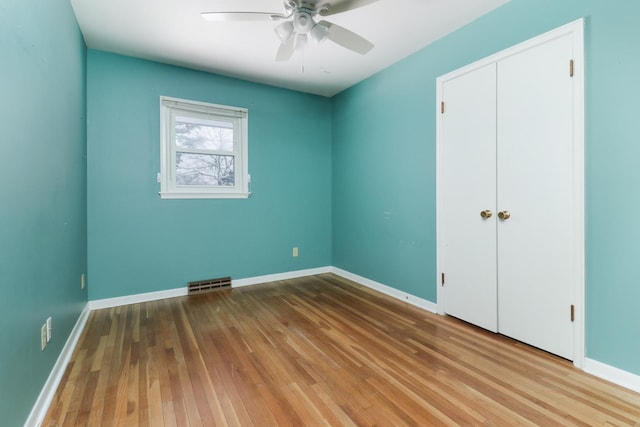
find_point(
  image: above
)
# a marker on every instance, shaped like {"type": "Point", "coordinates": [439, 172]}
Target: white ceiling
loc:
{"type": "Point", "coordinates": [173, 32]}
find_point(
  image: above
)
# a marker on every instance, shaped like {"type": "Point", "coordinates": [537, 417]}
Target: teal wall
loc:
{"type": "Point", "coordinates": [384, 163]}
{"type": "Point", "coordinates": [139, 243]}
{"type": "Point", "coordinates": [350, 181]}
{"type": "Point", "coordinates": [43, 202]}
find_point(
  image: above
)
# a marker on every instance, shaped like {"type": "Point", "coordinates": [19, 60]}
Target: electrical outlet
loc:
{"type": "Point", "coordinates": [295, 251]}
{"type": "Point", "coordinates": [49, 329]}
{"type": "Point", "coordinates": [82, 283]}
{"type": "Point", "coordinates": [43, 336]}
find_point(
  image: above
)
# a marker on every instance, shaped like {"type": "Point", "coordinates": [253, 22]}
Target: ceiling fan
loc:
{"type": "Point", "coordinates": [299, 25]}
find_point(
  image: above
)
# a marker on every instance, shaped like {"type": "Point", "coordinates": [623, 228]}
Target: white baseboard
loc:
{"type": "Point", "coordinates": [387, 290]}
{"type": "Point", "coordinates": [612, 374]}
{"type": "Point", "coordinates": [43, 402]}
{"type": "Point", "coordinates": [179, 292]}
{"type": "Point", "coordinates": [280, 276]}
{"type": "Point", "coordinates": [136, 298]}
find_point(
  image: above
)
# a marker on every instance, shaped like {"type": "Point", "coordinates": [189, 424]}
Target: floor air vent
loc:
{"type": "Point", "coordinates": [209, 285]}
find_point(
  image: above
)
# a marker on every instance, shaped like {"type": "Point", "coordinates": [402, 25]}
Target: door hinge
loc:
{"type": "Point", "coordinates": [442, 107]}
{"type": "Point", "coordinates": [571, 68]}
{"type": "Point", "coordinates": [573, 312]}
{"type": "Point", "coordinates": [442, 279]}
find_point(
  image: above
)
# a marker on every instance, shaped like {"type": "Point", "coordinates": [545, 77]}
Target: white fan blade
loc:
{"type": "Point", "coordinates": [241, 16]}
{"type": "Point", "coordinates": [346, 38]}
{"type": "Point", "coordinates": [286, 49]}
{"type": "Point", "coordinates": [327, 9]}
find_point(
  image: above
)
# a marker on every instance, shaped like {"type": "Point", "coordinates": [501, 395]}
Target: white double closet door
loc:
{"type": "Point", "coordinates": [507, 205]}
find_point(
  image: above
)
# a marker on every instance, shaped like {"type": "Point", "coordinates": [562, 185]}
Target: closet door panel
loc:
{"type": "Point", "coordinates": [469, 187]}
{"type": "Point", "coordinates": [535, 178]}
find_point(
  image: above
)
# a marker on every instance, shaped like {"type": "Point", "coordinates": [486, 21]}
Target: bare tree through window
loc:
{"type": "Point", "coordinates": [194, 167]}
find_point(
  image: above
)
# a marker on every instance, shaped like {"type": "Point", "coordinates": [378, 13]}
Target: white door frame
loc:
{"type": "Point", "coordinates": [576, 30]}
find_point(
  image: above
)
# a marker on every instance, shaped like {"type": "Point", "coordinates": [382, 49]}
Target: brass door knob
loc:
{"type": "Point", "coordinates": [504, 215]}
{"type": "Point", "coordinates": [486, 214]}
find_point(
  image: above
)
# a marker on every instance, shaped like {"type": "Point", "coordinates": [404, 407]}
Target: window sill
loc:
{"type": "Point", "coordinates": [204, 195]}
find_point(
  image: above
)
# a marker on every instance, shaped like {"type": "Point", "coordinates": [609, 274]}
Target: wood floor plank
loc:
{"type": "Point", "coordinates": [318, 350]}
{"type": "Point", "coordinates": [154, 393]}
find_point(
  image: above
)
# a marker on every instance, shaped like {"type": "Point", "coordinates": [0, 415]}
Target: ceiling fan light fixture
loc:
{"type": "Point", "coordinates": [300, 42]}
{"type": "Point", "coordinates": [319, 33]}
{"type": "Point", "coordinates": [302, 21]}
{"type": "Point", "coordinates": [284, 31]}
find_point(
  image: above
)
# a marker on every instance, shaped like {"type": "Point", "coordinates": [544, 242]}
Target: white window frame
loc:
{"type": "Point", "coordinates": [172, 107]}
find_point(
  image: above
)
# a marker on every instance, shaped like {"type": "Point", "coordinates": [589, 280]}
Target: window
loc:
{"type": "Point", "coordinates": [203, 150]}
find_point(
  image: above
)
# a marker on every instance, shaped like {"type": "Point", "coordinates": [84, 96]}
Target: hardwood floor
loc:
{"type": "Point", "coordinates": [317, 351]}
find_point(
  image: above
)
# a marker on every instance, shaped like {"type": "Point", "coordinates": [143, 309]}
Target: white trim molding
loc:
{"type": "Point", "coordinates": [387, 290]}
{"type": "Point", "coordinates": [48, 391]}
{"type": "Point", "coordinates": [280, 276]}
{"type": "Point", "coordinates": [238, 283]}
{"type": "Point", "coordinates": [612, 374]}
{"type": "Point", "coordinates": [180, 292]}
{"type": "Point", "coordinates": [136, 298]}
